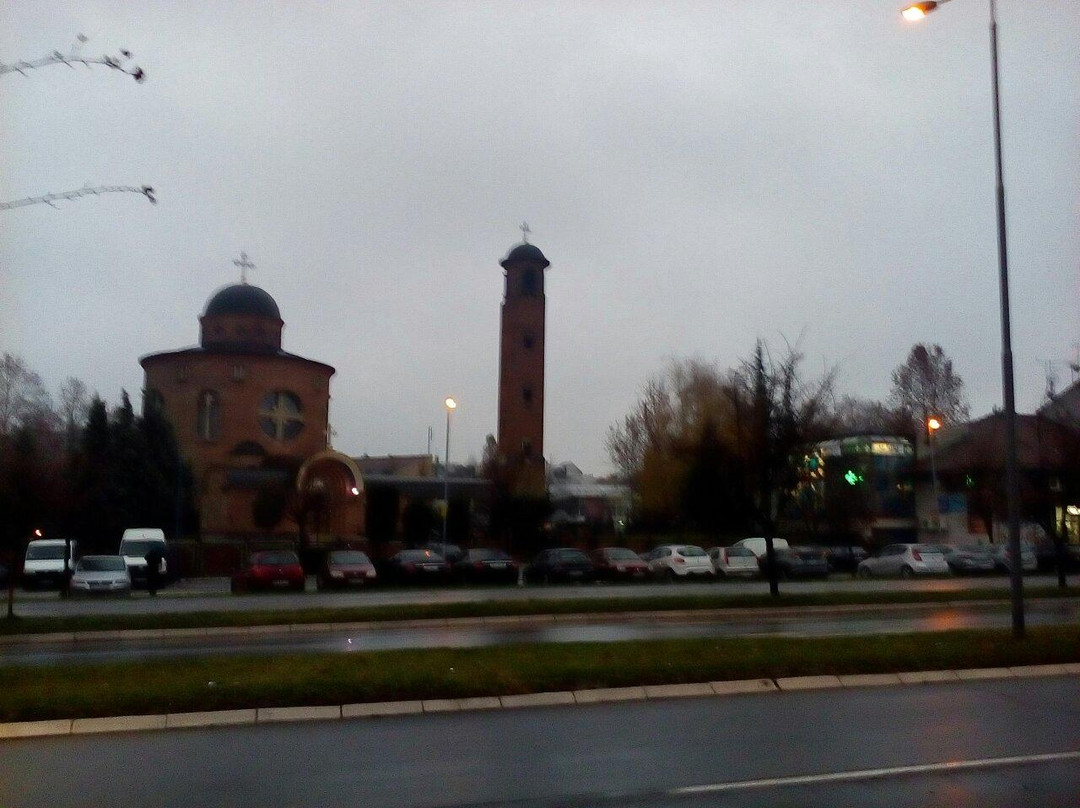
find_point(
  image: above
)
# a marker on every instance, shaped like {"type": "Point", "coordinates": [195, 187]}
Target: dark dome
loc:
{"type": "Point", "coordinates": [241, 298]}
{"type": "Point", "coordinates": [525, 252]}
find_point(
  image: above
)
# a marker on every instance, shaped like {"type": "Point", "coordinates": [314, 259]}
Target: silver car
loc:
{"type": "Point", "coordinates": [104, 574]}
{"type": "Point", "coordinates": [905, 560]}
{"type": "Point", "coordinates": [1029, 562]}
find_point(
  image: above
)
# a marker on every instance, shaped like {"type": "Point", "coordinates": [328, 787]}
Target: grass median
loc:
{"type": "Point", "coordinates": [502, 608]}
{"type": "Point", "coordinates": [221, 683]}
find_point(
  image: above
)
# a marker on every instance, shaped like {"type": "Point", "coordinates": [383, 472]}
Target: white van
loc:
{"type": "Point", "coordinates": [135, 544]}
{"type": "Point", "coordinates": [44, 562]}
{"type": "Point", "coordinates": [756, 545]}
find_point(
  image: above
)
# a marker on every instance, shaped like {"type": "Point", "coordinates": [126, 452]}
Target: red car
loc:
{"type": "Point", "coordinates": [343, 568]}
{"type": "Point", "coordinates": [619, 564]}
{"type": "Point", "coordinates": [270, 569]}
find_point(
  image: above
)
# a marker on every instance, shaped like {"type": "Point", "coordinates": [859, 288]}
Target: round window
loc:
{"type": "Point", "coordinates": [280, 415]}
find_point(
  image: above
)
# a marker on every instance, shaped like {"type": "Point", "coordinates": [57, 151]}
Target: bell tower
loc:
{"type": "Point", "coordinates": [521, 370]}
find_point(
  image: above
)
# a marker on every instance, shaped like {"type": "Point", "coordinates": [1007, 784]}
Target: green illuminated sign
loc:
{"type": "Point", "coordinates": [853, 478]}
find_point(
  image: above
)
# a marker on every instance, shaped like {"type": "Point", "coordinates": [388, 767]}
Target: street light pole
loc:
{"type": "Point", "coordinates": [1012, 481]}
{"type": "Point", "coordinates": [451, 405]}
{"type": "Point", "coordinates": [932, 426]}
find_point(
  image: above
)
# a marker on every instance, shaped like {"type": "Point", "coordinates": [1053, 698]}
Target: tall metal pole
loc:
{"type": "Point", "coordinates": [1012, 481]}
{"type": "Point", "coordinates": [446, 483]}
{"type": "Point", "coordinates": [933, 478]}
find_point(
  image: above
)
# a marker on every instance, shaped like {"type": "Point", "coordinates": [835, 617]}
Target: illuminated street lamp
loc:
{"type": "Point", "coordinates": [915, 12]}
{"type": "Point", "coordinates": [451, 405]}
{"type": "Point", "coordinates": [933, 424]}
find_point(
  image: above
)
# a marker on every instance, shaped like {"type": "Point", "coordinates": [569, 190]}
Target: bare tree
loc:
{"type": "Point", "coordinates": [926, 385]}
{"type": "Point", "coordinates": [23, 397]}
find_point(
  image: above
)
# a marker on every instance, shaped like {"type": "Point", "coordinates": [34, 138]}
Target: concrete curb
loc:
{"type": "Point", "coordinates": [277, 715]}
{"type": "Point", "coordinates": [503, 621]}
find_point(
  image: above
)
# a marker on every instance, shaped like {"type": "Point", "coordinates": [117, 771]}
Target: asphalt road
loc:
{"type": "Point", "coordinates": [796, 624]}
{"type": "Point", "coordinates": [212, 594]}
{"type": "Point", "coordinates": [961, 745]}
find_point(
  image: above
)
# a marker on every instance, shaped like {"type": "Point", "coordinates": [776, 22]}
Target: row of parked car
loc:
{"type": "Point", "coordinates": [56, 563]}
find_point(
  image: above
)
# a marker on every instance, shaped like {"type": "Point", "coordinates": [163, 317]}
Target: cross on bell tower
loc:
{"type": "Point", "coordinates": [244, 265]}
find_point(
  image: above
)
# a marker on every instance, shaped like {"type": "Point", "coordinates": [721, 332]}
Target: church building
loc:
{"type": "Point", "coordinates": [252, 421]}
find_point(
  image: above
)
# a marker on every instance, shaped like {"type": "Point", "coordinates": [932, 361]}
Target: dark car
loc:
{"type": "Point", "coordinates": [619, 564]}
{"type": "Point", "coordinates": [560, 564]}
{"type": "Point", "coordinates": [971, 560]}
{"type": "Point", "coordinates": [270, 569]}
{"type": "Point", "coordinates": [482, 564]}
{"type": "Point", "coordinates": [450, 553]}
{"type": "Point", "coordinates": [345, 568]}
{"type": "Point", "coordinates": [802, 562]}
{"type": "Point", "coordinates": [417, 567]}
{"type": "Point", "coordinates": [845, 558]}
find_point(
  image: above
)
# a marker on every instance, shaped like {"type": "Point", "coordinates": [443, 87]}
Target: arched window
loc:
{"type": "Point", "coordinates": [280, 415]}
{"type": "Point", "coordinates": [208, 421]}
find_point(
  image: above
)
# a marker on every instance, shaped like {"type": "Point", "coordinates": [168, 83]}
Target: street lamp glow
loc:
{"type": "Point", "coordinates": [916, 11]}
{"type": "Point", "coordinates": [933, 424]}
{"type": "Point", "coordinates": [355, 491]}
{"type": "Point", "coordinates": [450, 404]}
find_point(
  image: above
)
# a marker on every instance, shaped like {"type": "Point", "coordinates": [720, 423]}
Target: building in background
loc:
{"type": "Point", "coordinates": [521, 372]}
{"type": "Point", "coordinates": [252, 421]}
{"type": "Point", "coordinates": [585, 506]}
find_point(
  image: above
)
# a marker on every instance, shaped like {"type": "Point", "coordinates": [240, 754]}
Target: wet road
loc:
{"type": "Point", "coordinates": [212, 594]}
{"type": "Point", "coordinates": [964, 745]}
{"type": "Point", "coordinates": [470, 634]}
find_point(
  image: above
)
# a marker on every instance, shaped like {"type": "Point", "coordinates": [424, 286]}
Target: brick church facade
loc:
{"type": "Point", "coordinates": [252, 421]}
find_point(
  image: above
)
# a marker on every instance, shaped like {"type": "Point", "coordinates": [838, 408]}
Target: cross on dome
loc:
{"type": "Point", "coordinates": [244, 265]}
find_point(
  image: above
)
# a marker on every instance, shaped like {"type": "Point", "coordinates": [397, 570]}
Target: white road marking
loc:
{"type": "Point", "coordinates": [871, 774]}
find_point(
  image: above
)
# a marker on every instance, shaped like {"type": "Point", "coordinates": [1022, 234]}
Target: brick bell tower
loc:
{"type": "Point", "coordinates": [521, 371]}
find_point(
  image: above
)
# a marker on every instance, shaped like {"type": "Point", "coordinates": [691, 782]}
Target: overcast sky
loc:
{"type": "Point", "coordinates": [698, 174]}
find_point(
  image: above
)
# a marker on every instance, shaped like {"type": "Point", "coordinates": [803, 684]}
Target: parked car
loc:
{"type": "Point", "coordinates": [905, 560]}
{"type": "Point", "coordinates": [486, 564]}
{"type": "Point", "coordinates": [971, 559]}
{"type": "Point", "coordinates": [802, 562]}
{"type": "Point", "coordinates": [680, 561]}
{"type": "Point", "coordinates": [619, 564]}
{"type": "Point", "coordinates": [270, 569]}
{"type": "Point", "coordinates": [731, 562]}
{"type": "Point", "coordinates": [44, 562]}
{"type": "Point", "coordinates": [417, 567]}
{"type": "Point", "coordinates": [450, 553]}
{"type": "Point", "coordinates": [756, 545]}
{"type": "Point", "coordinates": [135, 545]}
{"type": "Point", "coordinates": [101, 574]}
{"type": "Point", "coordinates": [1003, 557]}
{"type": "Point", "coordinates": [345, 568]}
{"type": "Point", "coordinates": [560, 564]}
{"type": "Point", "coordinates": [845, 557]}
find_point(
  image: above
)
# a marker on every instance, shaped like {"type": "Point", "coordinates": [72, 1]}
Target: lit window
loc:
{"type": "Point", "coordinates": [208, 422]}
{"type": "Point", "coordinates": [280, 415]}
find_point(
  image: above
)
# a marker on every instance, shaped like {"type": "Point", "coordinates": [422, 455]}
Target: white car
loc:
{"type": "Point", "coordinates": [732, 561]}
{"type": "Point", "coordinates": [44, 563]}
{"type": "Point", "coordinates": [905, 560]}
{"type": "Point", "coordinates": [756, 545]}
{"type": "Point", "coordinates": [101, 574]}
{"type": "Point", "coordinates": [674, 561]}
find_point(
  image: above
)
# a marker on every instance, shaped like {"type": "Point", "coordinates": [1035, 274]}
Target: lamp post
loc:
{"type": "Point", "coordinates": [451, 405]}
{"type": "Point", "coordinates": [915, 12]}
{"type": "Point", "coordinates": [933, 424]}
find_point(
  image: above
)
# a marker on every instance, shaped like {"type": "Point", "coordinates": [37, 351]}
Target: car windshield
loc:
{"type": "Point", "coordinates": [572, 555]}
{"type": "Point", "coordinates": [620, 554]}
{"type": "Point", "coordinates": [689, 551]}
{"type": "Point", "coordinates": [348, 557]}
{"type": "Point", "coordinates": [280, 558]}
{"type": "Point", "coordinates": [102, 564]}
{"type": "Point", "coordinates": [139, 547]}
{"type": "Point", "coordinates": [414, 556]}
{"type": "Point", "coordinates": [928, 548]}
{"type": "Point", "coordinates": [39, 552]}
{"type": "Point", "coordinates": [739, 552]}
{"type": "Point", "coordinates": [484, 554]}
